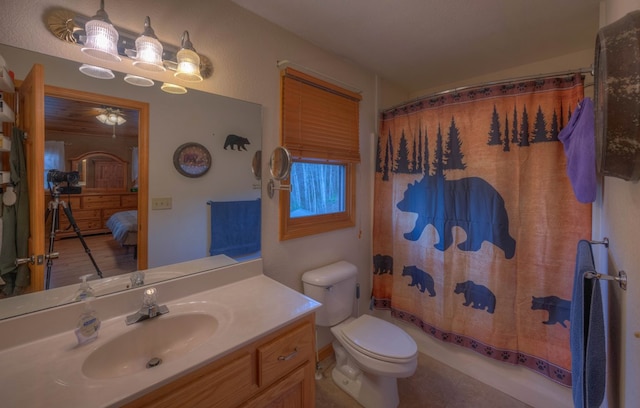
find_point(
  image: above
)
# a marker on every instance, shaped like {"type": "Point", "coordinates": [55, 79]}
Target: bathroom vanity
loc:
{"type": "Point", "coordinates": [244, 341]}
{"type": "Point", "coordinates": [276, 370]}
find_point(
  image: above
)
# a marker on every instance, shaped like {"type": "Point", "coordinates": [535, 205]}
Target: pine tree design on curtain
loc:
{"type": "Point", "coordinates": [481, 221]}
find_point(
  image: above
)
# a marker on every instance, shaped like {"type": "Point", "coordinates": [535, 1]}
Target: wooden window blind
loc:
{"type": "Point", "coordinates": [319, 119]}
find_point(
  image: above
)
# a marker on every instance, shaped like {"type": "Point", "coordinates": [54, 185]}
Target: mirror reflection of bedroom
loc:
{"type": "Point", "coordinates": [90, 164]}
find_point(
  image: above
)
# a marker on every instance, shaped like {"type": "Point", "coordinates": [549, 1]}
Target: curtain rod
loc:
{"type": "Point", "coordinates": [285, 63]}
{"type": "Point", "coordinates": [586, 70]}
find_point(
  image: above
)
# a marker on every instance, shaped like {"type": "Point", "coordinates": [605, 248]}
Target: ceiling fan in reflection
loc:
{"type": "Point", "coordinates": [112, 117]}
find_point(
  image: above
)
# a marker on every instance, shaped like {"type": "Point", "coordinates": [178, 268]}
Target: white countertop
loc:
{"type": "Point", "coordinates": [47, 372]}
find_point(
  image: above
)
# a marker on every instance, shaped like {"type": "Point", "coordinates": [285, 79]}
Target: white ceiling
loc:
{"type": "Point", "coordinates": [420, 44]}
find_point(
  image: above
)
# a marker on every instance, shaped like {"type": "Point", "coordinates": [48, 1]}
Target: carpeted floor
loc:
{"type": "Point", "coordinates": [434, 385]}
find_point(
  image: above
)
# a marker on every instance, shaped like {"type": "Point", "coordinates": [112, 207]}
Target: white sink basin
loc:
{"type": "Point", "coordinates": [166, 338]}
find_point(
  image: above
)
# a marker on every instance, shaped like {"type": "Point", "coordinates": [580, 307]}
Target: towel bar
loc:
{"type": "Point", "coordinates": [605, 242]}
{"type": "Point", "coordinates": [621, 278]}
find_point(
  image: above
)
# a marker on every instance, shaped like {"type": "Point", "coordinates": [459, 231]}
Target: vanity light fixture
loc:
{"type": "Point", "coordinates": [148, 50]}
{"type": "Point", "coordinates": [188, 61]}
{"type": "Point", "coordinates": [101, 37]}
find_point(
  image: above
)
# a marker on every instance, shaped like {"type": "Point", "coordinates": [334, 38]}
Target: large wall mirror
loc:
{"type": "Point", "coordinates": [179, 225]}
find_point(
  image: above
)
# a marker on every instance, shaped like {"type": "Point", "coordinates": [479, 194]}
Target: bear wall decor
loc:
{"type": "Point", "coordinates": [236, 141]}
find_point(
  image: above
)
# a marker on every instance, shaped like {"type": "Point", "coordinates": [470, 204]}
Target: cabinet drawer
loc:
{"type": "Point", "coordinates": [284, 354]}
{"type": "Point", "coordinates": [84, 225]}
{"type": "Point", "coordinates": [73, 201]}
{"type": "Point", "coordinates": [101, 201]}
{"type": "Point", "coordinates": [225, 385]}
{"type": "Point", "coordinates": [129, 200]}
{"type": "Point", "coordinates": [83, 214]}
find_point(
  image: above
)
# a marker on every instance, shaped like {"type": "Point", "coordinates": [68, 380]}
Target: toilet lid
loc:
{"type": "Point", "coordinates": [377, 337]}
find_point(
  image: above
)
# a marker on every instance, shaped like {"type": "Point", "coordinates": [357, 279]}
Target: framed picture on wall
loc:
{"type": "Point", "coordinates": [192, 160]}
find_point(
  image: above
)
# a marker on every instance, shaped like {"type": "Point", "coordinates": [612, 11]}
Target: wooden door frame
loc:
{"type": "Point", "coordinates": [143, 156]}
{"type": "Point", "coordinates": [29, 105]}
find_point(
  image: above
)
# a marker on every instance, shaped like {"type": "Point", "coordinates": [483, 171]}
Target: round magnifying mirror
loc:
{"type": "Point", "coordinates": [280, 163]}
{"type": "Point", "coordinates": [256, 165]}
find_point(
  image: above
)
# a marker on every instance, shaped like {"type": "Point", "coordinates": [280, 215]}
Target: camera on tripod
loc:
{"type": "Point", "coordinates": [72, 178]}
{"type": "Point", "coordinates": [57, 177]}
{"type": "Point", "coordinates": [54, 179]}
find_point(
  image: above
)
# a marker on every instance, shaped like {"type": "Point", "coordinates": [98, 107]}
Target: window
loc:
{"type": "Point", "coordinates": [320, 130]}
{"type": "Point", "coordinates": [316, 189]}
{"type": "Point", "coordinates": [53, 158]}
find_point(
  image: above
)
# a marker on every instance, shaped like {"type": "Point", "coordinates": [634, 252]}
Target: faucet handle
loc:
{"type": "Point", "coordinates": [137, 279]}
{"type": "Point", "coordinates": [149, 297]}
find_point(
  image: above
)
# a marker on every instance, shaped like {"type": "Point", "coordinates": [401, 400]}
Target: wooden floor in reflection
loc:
{"type": "Point", "coordinates": [74, 262]}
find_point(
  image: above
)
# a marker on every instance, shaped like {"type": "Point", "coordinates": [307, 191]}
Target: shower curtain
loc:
{"type": "Point", "coordinates": [475, 221]}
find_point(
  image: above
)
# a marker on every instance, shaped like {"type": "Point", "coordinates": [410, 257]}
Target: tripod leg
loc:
{"type": "Point", "coordinates": [77, 231]}
{"type": "Point", "coordinates": [53, 210]}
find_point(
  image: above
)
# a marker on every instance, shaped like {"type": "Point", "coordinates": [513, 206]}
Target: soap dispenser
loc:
{"type": "Point", "coordinates": [84, 291]}
{"type": "Point", "coordinates": [88, 323]}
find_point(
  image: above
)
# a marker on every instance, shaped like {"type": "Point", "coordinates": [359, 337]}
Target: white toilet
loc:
{"type": "Point", "coordinates": [371, 353]}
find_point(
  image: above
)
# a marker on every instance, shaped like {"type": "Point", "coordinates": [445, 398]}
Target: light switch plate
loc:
{"type": "Point", "coordinates": [161, 203]}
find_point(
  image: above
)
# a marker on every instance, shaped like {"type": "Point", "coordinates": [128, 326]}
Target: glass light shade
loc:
{"type": "Point", "coordinates": [111, 117]}
{"type": "Point", "coordinates": [149, 54]}
{"type": "Point", "coordinates": [102, 117]}
{"type": "Point", "coordinates": [188, 66]}
{"type": "Point", "coordinates": [173, 88]}
{"type": "Point", "coordinates": [138, 80]}
{"type": "Point", "coordinates": [102, 40]}
{"type": "Point", "coordinates": [117, 119]}
{"type": "Point", "coordinates": [96, 72]}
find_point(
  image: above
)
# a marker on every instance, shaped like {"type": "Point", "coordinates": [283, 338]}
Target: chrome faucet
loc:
{"type": "Point", "coordinates": [149, 309]}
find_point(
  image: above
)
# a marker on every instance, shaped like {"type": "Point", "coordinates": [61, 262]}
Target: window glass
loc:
{"type": "Point", "coordinates": [316, 189]}
{"type": "Point", "coordinates": [53, 157]}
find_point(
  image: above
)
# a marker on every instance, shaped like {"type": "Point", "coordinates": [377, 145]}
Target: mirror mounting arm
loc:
{"type": "Point", "coordinates": [271, 187]}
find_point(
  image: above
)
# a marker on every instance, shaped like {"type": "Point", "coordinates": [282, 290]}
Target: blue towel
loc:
{"type": "Point", "coordinates": [235, 227]}
{"type": "Point", "coordinates": [588, 354]}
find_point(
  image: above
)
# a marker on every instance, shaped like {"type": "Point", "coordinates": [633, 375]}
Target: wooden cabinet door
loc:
{"type": "Point", "coordinates": [297, 390]}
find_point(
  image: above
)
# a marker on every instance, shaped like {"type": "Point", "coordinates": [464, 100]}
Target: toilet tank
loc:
{"type": "Point", "coordinates": [334, 286]}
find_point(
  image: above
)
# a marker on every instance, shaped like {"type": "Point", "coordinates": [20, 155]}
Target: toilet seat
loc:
{"type": "Point", "coordinates": [379, 339]}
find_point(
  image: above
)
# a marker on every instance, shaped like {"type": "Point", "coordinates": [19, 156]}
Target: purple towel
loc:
{"type": "Point", "coordinates": [578, 138]}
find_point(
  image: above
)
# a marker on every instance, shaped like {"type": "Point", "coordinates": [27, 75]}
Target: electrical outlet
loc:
{"type": "Point", "coordinates": [163, 203]}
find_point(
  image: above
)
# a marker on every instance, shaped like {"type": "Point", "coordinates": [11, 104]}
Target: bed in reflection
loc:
{"type": "Point", "coordinates": [124, 228]}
